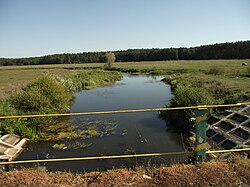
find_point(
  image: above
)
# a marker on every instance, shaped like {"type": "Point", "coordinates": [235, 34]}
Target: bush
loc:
{"type": "Point", "coordinates": [16, 126]}
{"type": "Point", "coordinates": [110, 59]}
{"type": "Point", "coordinates": [187, 95]}
{"type": "Point", "coordinates": [189, 91]}
{"type": "Point", "coordinates": [219, 90]}
{"type": "Point", "coordinates": [45, 95]}
{"type": "Point", "coordinates": [216, 70]}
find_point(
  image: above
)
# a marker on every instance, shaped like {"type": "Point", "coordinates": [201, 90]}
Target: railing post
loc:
{"type": "Point", "coordinates": [200, 135]}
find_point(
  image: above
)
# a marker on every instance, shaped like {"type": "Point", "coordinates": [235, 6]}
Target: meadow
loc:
{"type": "Point", "coordinates": [236, 76]}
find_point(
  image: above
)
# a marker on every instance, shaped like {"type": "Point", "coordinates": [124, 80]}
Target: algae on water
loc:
{"type": "Point", "coordinates": [86, 129]}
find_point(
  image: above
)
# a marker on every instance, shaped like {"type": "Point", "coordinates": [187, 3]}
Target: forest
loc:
{"type": "Point", "coordinates": [228, 50]}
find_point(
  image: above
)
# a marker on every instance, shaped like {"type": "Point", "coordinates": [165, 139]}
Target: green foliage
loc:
{"type": "Point", "coordinates": [216, 70]}
{"type": "Point", "coordinates": [6, 108]}
{"type": "Point", "coordinates": [58, 146]}
{"type": "Point", "coordinates": [45, 95]}
{"type": "Point", "coordinates": [188, 95]}
{"type": "Point", "coordinates": [193, 90]}
{"type": "Point", "coordinates": [157, 72]}
{"type": "Point", "coordinates": [235, 97]}
{"type": "Point", "coordinates": [237, 50]}
{"type": "Point", "coordinates": [110, 59]}
{"type": "Point", "coordinates": [89, 78]}
{"type": "Point", "coordinates": [15, 126]}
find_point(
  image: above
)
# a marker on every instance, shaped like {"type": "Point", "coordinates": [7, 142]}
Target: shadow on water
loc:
{"type": "Point", "coordinates": [115, 134]}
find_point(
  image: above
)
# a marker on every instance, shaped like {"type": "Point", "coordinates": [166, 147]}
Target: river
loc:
{"type": "Point", "coordinates": [134, 133]}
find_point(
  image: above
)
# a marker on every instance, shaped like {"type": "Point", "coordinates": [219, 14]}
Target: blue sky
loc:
{"type": "Point", "coordinates": [35, 28]}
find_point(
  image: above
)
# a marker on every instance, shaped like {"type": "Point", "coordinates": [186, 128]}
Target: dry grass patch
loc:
{"type": "Point", "coordinates": [233, 172]}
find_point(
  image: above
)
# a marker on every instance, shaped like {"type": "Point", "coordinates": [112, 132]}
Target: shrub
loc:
{"type": "Point", "coordinates": [236, 97]}
{"type": "Point", "coordinates": [187, 95]}
{"type": "Point", "coordinates": [110, 59]}
{"type": "Point", "coordinates": [216, 70]}
{"type": "Point", "coordinates": [219, 90]}
{"type": "Point", "coordinates": [16, 126]}
{"type": "Point", "coordinates": [45, 95]}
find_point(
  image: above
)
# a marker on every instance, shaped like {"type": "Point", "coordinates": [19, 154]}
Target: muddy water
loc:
{"type": "Point", "coordinates": [134, 133]}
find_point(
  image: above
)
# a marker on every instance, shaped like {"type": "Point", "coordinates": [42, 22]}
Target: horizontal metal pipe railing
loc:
{"type": "Point", "coordinates": [117, 156]}
{"type": "Point", "coordinates": [121, 156]}
{"type": "Point", "coordinates": [125, 111]}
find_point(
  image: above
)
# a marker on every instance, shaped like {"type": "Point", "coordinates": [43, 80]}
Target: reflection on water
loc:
{"type": "Point", "coordinates": [133, 132]}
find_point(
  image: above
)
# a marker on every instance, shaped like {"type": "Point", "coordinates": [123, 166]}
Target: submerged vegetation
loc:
{"type": "Point", "coordinates": [88, 128]}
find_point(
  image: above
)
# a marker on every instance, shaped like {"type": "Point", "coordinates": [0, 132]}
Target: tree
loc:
{"type": "Point", "coordinates": [110, 59]}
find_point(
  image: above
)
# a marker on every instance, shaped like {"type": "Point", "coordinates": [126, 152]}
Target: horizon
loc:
{"type": "Point", "coordinates": [121, 50]}
{"type": "Point", "coordinates": [35, 29]}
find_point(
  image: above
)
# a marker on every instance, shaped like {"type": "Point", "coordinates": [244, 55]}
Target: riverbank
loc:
{"type": "Point", "coordinates": [201, 89]}
{"type": "Point", "coordinates": [50, 93]}
{"type": "Point", "coordinates": [231, 172]}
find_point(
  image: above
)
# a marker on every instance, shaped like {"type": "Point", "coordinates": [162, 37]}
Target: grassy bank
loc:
{"type": "Point", "coordinates": [202, 89]}
{"type": "Point", "coordinates": [49, 94]}
{"type": "Point", "coordinates": [233, 172]}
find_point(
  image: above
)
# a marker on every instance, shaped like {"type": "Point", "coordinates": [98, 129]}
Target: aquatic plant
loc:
{"type": "Point", "coordinates": [59, 146]}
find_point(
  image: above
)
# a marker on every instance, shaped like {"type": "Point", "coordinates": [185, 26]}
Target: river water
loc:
{"type": "Point", "coordinates": [134, 133]}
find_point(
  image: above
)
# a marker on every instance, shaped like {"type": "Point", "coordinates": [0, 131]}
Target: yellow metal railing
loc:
{"type": "Point", "coordinates": [125, 111]}
{"type": "Point", "coordinates": [122, 156]}
{"type": "Point", "coordinates": [117, 156]}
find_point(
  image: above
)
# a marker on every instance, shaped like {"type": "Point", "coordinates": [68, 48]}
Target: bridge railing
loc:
{"type": "Point", "coordinates": [200, 134]}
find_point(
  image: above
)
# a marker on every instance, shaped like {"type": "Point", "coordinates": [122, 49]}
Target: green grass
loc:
{"type": "Point", "coordinates": [229, 66]}
{"type": "Point", "coordinates": [13, 78]}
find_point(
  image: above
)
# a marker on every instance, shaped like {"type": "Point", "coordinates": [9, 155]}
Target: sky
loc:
{"type": "Point", "coordinates": [41, 27]}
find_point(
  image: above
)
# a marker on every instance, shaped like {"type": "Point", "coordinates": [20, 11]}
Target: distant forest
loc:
{"type": "Point", "coordinates": [236, 50]}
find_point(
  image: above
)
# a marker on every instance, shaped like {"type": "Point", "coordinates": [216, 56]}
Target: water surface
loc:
{"type": "Point", "coordinates": [144, 132]}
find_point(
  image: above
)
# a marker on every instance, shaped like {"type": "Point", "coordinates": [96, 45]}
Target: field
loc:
{"type": "Point", "coordinates": [13, 78]}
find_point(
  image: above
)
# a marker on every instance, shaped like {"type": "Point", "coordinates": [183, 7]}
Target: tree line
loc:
{"type": "Point", "coordinates": [229, 50]}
